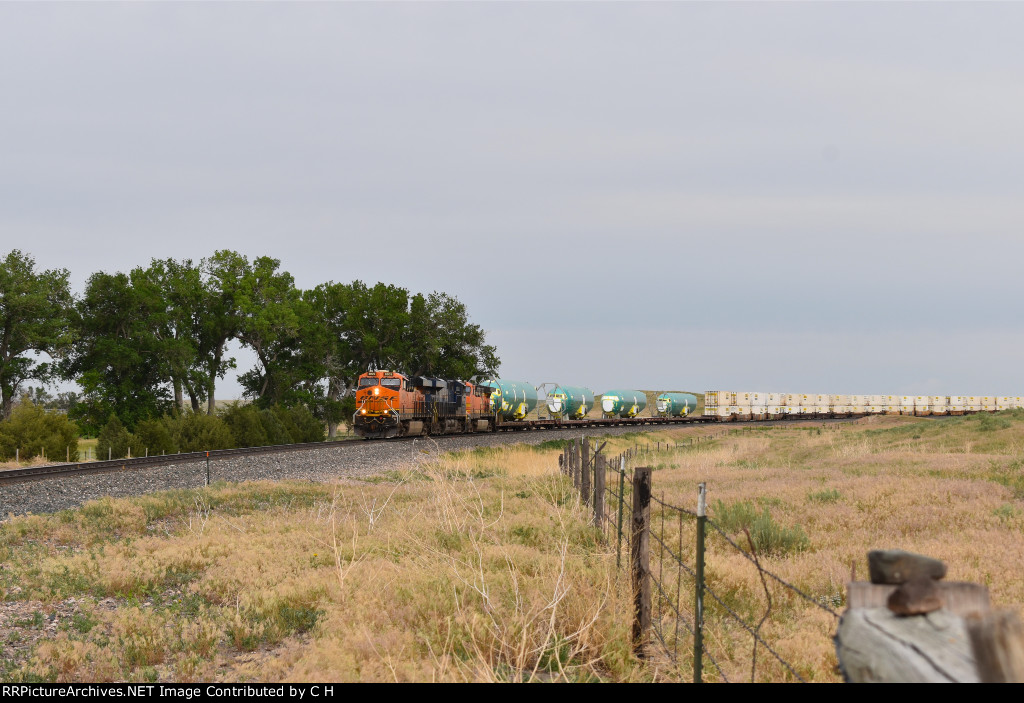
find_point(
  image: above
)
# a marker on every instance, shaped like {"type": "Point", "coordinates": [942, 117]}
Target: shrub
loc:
{"type": "Point", "coordinates": [245, 424]}
{"type": "Point", "coordinates": [828, 496]}
{"type": "Point", "coordinates": [115, 441]}
{"type": "Point", "coordinates": [991, 423]}
{"type": "Point", "coordinates": [277, 433]}
{"type": "Point", "coordinates": [300, 424]}
{"type": "Point", "coordinates": [31, 430]}
{"type": "Point", "coordinates": [767, 535]}
{"type": "Point", "coordinates": [155, 436]}
{"type": "Point", "coordinates": [197, 432]}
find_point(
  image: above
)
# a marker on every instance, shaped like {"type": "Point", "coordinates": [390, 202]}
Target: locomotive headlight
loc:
{"type": "Point", "coordinates": [364, 411]}
{"type": "Point", "coordinates": [376, 391]}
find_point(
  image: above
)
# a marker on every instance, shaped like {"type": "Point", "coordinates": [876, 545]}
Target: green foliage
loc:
{"type": "Point", "coordinates": [117, 359]}
{"type": "Point", "coordinates": [35, 309]}
{"type": "Point", "coordinates": [155, 436]}
{"type": "Point", "coordinates": [827, 496]}
{"type": "Point", "coordinates": [276, 432]}
{"type": "Point", "coordinates": [197, 432]}
{"type": "Point", "coordinates": [1011, 476]}
{"type": "Point", "coordinates": [1006, 512]}
{"type": "Point", "coordinates": [252, 427]}
{"type": "Point", "coordinates": [300, 424]}
{"type": "Point", "coordinates": [156, 339]}
{"type": "Point", "coordinates": [115, 441]}
{"type": "Point", "coordinates": [988, 422]}
{"type": "Point", "coordinates": [245, 424]}
{"type": "Point", "coordinates": [32, 430]}
{"type": "Point", "coordinates": [767, 535]}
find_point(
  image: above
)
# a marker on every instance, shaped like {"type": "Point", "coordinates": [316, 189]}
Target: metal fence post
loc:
{"type": "Point", "coordinates": [698, 606]}
{"type": "Point", "coordinates": [640, 557]}
{"type": "Point", "coordinates": [622, 500]}
{"type": "Point", "coordinates": [207, 468]}
{"type": "Point", "coordinates": [599, 479]}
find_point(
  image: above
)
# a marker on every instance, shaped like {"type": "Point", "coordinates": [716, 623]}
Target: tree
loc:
{"type": "Point", "coordinates": [173, 291]}
{"type": "Point", "coordinates": [118, 360]}
{"type": "Point", "coordinates": [34, 317]}
{"type": "Point", "coordinates": [115, 441]}
{"type": "Point", "coordinates": [378, 322]}
{"type": "Point", "coordinates": [331, 366]}
{"type": "Point", "coordinates": [442, 341]}
{"type": "Point", "coordinates": [271, 311]}
{"type": "Point", "coordinates": [219, 320]}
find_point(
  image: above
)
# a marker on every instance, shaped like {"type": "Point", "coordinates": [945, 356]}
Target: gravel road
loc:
{"type": "Point", "coordinates": [331, 462]}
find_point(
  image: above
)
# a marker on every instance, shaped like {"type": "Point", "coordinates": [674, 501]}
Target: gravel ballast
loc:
{"type": "Point", "coordinates": [331, 462]}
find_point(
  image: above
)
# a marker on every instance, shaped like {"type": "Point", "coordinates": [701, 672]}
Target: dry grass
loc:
{"type": "Point", "coordinates": [949, 488]}
{"type": "Point", "coordinates": [438, 575]}
{"type": "Point", "coordinates": [479, 566]}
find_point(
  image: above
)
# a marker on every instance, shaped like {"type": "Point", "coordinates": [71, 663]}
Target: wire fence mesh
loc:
{"type": "Point", "coordinates": [695, 626]}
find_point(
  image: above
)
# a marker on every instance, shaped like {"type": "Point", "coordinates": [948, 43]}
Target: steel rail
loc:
{"type": "Point", "coordinates": [38, 473]}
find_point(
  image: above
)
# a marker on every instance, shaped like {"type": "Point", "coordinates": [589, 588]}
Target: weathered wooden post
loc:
{"type": "Point", "coordinates": [622, 500]}
{"type": "Point", "coordinates": [599, 482]}
{"type": "Point", "coordinates": [907, 624]}
{"type": "Point", "coordinates": [575, 464]}
{"type": "Point", "coordinates": [585, 472]}
{"type": "Point", "coordinates": [997, 640]}
{"type": "Point", "coordinates": [640, 557]}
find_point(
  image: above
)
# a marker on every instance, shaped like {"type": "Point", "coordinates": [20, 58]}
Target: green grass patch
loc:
{"type": "Point", "coordinates": [768, 536]}
{"type": "Point", "coordinates": [828, 496]}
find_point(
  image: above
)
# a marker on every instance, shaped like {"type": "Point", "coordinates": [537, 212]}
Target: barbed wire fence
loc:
{"type": "Point", "coordinates": [679, 619]}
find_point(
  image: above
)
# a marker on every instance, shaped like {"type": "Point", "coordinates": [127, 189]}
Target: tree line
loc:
{"type": "Point", "coordinates": [154, 340]}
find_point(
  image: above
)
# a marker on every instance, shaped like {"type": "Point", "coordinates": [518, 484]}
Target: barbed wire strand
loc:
{"type": "Point", "coordinates": [691, 513]}
{"type": "Point", "coordinates": [690, 629]}
{"type": "Point", "coordinates": [746, 627]}
{"type": "Point", "coordinates": [769, 573]}
{"type": "Point", "coordinates": [767, 594]}
{"type": "Point", "coordinates": [734, 615]}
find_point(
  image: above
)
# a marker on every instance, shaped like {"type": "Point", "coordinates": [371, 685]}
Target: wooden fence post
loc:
{"type": "Point", "coordinates": [997, 640]}
{"type": "Point", "coordinates": [599, 479]}
{"type": "Point", "coordinates": [577, 452]}
{"type": "Point", "coordinates": [640, 557]}
{"type": "Point", "coordinates": [585, 472]}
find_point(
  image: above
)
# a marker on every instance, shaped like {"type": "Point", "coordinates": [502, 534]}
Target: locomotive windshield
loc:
{"type": "Point", "coordinates": [367, 382]}
{"type": "Point", "coordinates": [393, 383]}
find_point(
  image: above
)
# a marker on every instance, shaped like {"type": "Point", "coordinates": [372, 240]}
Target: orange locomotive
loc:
{"type": "Point", "coordinates": [390, 404]}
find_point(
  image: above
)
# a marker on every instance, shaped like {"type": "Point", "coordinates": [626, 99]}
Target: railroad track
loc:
{"type": "Point", "coordinates": [40, 473]}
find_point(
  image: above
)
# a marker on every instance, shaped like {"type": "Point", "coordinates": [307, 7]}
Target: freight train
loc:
{"type": "Point", "coordinates": [392, 404]}
{"type": "Point", "coordinates": [729, 406]}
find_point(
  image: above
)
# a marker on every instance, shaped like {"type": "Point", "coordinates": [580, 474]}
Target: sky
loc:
{"type": "Point", "coordinates": [777, 197]}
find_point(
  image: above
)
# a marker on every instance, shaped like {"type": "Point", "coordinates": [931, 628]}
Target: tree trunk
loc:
{"type": "Point", "coordinates": [332, 395]}
{"type": "Point", "coordinates": [211, 401]}
{"type": "Point", "coordinates": [179, 402]}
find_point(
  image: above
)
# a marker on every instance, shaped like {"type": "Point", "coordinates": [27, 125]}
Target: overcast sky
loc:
{"type": "Point", "coordinates": [788, 197]}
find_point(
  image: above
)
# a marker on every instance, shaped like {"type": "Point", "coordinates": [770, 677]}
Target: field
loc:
{"type": "Point", "coordinates": [480, 565]}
